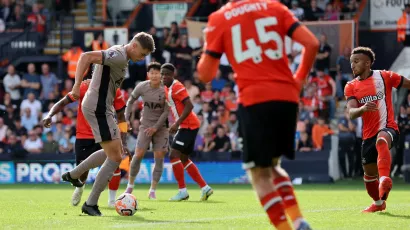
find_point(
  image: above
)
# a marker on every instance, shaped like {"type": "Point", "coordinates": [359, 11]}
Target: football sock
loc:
{"type": "Point", "coordinates": [384, 158]}
{"type": "Point", "coordinates": [194, 173]}
{"type": "Point", "coordinates": [272, 203]}
{"type": "Point", "coordinates": [94, 160]}
{"type": "Point", "coordinates": [135, 166]}
{"type": "Point", "coordinates": [114, 184]}
{"type": "Point", "coordinates": [178, 169]}
{"type": "Point", "coordinates": [284, 187]}
{"type": "Point", "coordinates": [372, 186]}
{"type": "Point", "coordinates": [158, 169]}
{"type": "Point", "coordinates": [101, 181]}
{"type": "Point", "coordinates": [83, 177]}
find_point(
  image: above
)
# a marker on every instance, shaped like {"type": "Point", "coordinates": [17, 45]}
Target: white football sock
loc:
{"type": "Point", "coordinates": [112, 195]}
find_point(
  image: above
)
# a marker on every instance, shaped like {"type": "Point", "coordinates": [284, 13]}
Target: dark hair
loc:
{"type": "Point", "coordinates": [168, 66]}
{"type": "Point", "coordinates": [146, 41]}
{"type": "Point", "coordinates": [153, 65]}
{"type": "Point", "coordinates": [366, 51]}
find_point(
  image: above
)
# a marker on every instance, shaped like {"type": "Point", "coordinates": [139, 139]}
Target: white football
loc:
{"type": "Point", "coordinates": [126, 204]}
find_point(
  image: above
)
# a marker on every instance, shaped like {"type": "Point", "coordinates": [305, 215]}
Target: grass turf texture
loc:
{"type": "Point", "coordinates": [326, 206]}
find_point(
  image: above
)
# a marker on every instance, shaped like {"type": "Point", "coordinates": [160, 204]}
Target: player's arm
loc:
{"type": "Point", "coordinates": [355, 111]}
{"type": "Point", "coordinates": [123, 126]}
{"type": "Point", "coordinates": [163, 117]}
{"type": "Point", "coordinates": [58, 107]}
{"type": "Point", "coordinates": [187, 110]}
{"type": "Point", "coordinates": [213, 48]}
{"type": "Point", "coordinates": [87, 58]}
{"type": "Point", "coordinates": [136, 93]}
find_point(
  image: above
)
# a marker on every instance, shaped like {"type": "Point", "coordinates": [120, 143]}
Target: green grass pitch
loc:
{"type": "Point", "coordinates": [330, 206]}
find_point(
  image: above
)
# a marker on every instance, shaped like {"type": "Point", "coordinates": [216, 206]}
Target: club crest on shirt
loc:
{"type": "Point", "coordinates": [112, 54]}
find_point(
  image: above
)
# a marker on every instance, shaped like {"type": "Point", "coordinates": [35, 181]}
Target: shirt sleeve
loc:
{"type": "Point", "coordinates": [289, 21]}
{"type": "Point", "coordinates": [112, 57]}
{"type": "Point", "coordinates": [119, 102]}
{"type": "Point", "coordinates": [179, 93]}
{"type": "Point", "coordinates": [214, 36]}
{"type": "Point", "coordinates": [396, 80]}
{"type": "Point", "coordinates": [349, 94]}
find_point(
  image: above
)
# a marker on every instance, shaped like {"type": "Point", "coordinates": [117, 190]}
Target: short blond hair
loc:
{"type": "Point", "coordinates": [145, 40]}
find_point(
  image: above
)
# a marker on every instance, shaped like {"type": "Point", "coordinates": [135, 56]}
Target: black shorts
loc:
{"type": "Point", "coordinates": [84, 148]}
{"type": "Point", "coordinates": [268, 131]}
{"type": "Point", "coordinates": [369, 152]}
{"type": "Point", "coordinates": [184, 140]}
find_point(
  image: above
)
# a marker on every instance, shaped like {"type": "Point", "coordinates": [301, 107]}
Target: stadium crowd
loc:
{"type": "Point", "coordinates": [28, 96]}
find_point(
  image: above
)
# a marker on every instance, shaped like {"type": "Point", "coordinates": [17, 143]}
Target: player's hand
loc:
{"type": "Point", "coordinates": [75, 92]}
{"type": "Point", "coordinates": [47, 121]}
{"type": "Point", "coordinates": [150, 131]}
{"type": "Point", "coordinates": [370, 107]}
{"type": "Point", "coordinates": [173, 129]}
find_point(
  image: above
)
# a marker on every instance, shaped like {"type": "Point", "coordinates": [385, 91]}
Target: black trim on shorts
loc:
{"type": "Point", "coordinates": [401, 82]}
{"type": "Point", "coordinates": [101, 105]}
{"type": "Point", "coordinates": [351, 98]}
{"type": "Point", "coordinates": [292, 28]}
{"type": "Point", "coordinates": [103, 57]}
{"type": "Point", "coordinates": [213, 54]}
{"type": "Point", "coordinates": [120, 110]}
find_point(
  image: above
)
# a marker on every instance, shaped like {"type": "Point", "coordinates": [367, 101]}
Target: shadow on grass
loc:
{"type": "Point", "coordinates": [394, 215]}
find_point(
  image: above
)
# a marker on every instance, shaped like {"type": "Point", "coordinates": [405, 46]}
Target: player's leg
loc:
{"type": "Point", "coordinates": [113, 186]}
{"type": "Point", "coordinates": [178, 169]}
{"type": "Point", "coordinates": [188, 138]}
{"type": "Point", "coordinates": [156, 173]}
{"type": "Point", "coordinates": [285, 127]}
{"type": "Point", "coordinates": [383, 145]}
{"type": "Point", "coordinates": [106, 133]}
{"type": "Point", "coordinates": [143, 142]}
{"type": "Point", "coordinates": [259, 145]}
{"type": "Point", "coordinates": [370, 178]}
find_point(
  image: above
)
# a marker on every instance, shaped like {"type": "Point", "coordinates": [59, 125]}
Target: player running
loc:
{"type": "Point", "coordinates": [251, 34]}
{"type": "Point", "coordinates": [85, 144]}
{"type": "Point", "coordinates": [369, 96]}
{"type": "Point", "coordinates": [153, 126]}
{"type": "Point", "coordinates": [185, 128]}
{"type": "Point", "coordinates": [98, 111]}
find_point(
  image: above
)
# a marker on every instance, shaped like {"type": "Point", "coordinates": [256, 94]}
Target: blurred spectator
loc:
{"type": "Point", "coordinates": [231, 103]}
{"type": "Point", "coordinates": [326, 93]}
{"type": "Point", "coordinates": [18, 19]}
{"type": "Point", "coordinates": [66, 144]}
{"type": "Point", "coordinates": [68, 86]}
{"type": "Point", "coordinates": [206, 112]}
{"type": "Point", "coordinates": [20, 130]}
{"type": "Point", "coordinates": [296, 10]}
{"type": "Point", "coordinates": [28, 120]}
{"type": "Point", "coordinates": [222, 114]}
{"type": "Point", "coordinates": [344, 71]}
{"type": "Point", "coordinates": [37, 19]}
{"type": "Point", "coordinates": [157, 55]}
{"type": "Point", "coordinates": [347, 138]}
{"type": "Point", "coordinates": [313, 13]}
{"type": "Point", "coordinates": [71, 57]}
{"type": "Point", "coordinates": [221, 141]}
{"type": "Point", "coordinates": [330, 13]}
{"type": "Point", "coordinates": [59, 131]}
{"type": "Point", "coordinates": [197, 104]}
{"type": "Point", "coordinates": [6, 11]}
{"type": "Point", "coordinates": [14, 147]}
{"type": "Point", "coordinates": [12, 84]}
{"type": "Point", "coordinates": [218, 83]}
{"type": "Point", "coordinates": [216, 101]}
{"type": "Point", "coordinates": [304, 144]}
{"type": "Point", "coordinates": [183, 58]}
{"type": "Point", "coordinates": [38, 129]}
{"type": "Point", "coordinates": [224, 66]}
{"type": "Point", "coordinates": [68, 119]}
{"type": "Point", "coordinates": [3, 130]}
{"type": "Point", "coordinates": [209, 143]}
{"type": "Point", "coordinates": [319, 131]}
{"type": "Point", "coordinates": [233, 123]}
{"type": "Point", "coordinates": [193, 90]}
{"type": "Point", "coordinates": [207, 94]}
{"type": "Point", "coordinates": [310, 102]}
{"type": "Point", "coordinates": [31, 103]}
{"type": "Point", "coordinates": [404, 128]}
{"type": "Point", "coordinates": [33, 144]}
{"type": "Point", "coordinates": [204, 125]}
{"type": "Point", "coordinates": [91, 6]}
{"type": "Point", "coordinates": [197, 52]}
{"type": "Point", "coordinates": [49, 82]}
{"type": "Point", "coordinates": [26, 9]}
{"type": "Point", "coordinates": [199, 143]}
{"type": "Point", "coordinates": [99, 43]}
{"type": "Point", "coordinates": [31, 82]}
{"type": "Point", "coordinates": [323, 56]}
{"type": "Point", "coordinates": [50, 146]}
{"type": "Point", "coordinates": [10, 116]}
